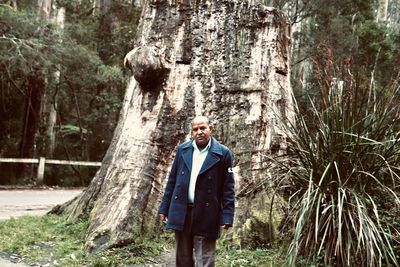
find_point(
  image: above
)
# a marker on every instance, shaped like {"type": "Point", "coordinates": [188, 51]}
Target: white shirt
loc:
{"type": "Point", "coordinates": [197, 162]}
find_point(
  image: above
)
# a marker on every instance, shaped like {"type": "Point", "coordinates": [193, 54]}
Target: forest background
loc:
{"type": "Point", "coordinates": [63, 80]}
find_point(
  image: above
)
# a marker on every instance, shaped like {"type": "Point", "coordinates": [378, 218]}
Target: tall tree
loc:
{"type": "Point", "coordinates": [228, 60]}
{"type": "Point", "coordinates": [38, 137]}
{"type": "Point", "coordinates": [35, 87]}
{"type": "Point", "coordinates": [48, 11]}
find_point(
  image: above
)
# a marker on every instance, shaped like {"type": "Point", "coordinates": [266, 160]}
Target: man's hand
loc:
{"type": "Point", "coordinates": [226, 226]}
{"type": "Point", "coordinates": [163, 217]}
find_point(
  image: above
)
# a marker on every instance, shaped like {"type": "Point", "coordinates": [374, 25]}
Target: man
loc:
{"type": "Point", "coordinates": [199, 197]}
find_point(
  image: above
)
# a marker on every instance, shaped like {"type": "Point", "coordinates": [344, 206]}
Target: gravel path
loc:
{"type": "Point", "coordinates": [5, 263]}
{"type": "Point", "coordinates": [14, 203]}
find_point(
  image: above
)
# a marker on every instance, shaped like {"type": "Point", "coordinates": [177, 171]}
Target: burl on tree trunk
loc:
{"type": "Point", "coordinates": [228, 60]}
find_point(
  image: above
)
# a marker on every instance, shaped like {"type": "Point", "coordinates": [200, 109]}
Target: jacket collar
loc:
{"type": "Point", "coordinates": [213, 156]}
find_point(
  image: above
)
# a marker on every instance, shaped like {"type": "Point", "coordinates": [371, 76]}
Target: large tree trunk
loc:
{"type": "Point", "coordinates": [224, 59]}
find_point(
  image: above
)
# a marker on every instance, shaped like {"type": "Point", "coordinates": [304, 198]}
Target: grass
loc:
{"type": "Point", "coordinates": [49, 241]}
{"type": "Point", "coordinates": [249, 258]}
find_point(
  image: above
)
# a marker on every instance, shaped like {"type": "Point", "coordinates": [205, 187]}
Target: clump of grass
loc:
{"type": "Point", "coordinates": [42, 239]}
{"type": "Point", "coordinates": [229, 257]}
{"type": "Point", "coordinates": [341, 176]}
{"type": "Point", "coordinates": [49, 240]}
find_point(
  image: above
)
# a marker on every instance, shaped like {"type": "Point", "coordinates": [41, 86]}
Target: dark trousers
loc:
{"type": "Point", "coordinates": [186, 244]}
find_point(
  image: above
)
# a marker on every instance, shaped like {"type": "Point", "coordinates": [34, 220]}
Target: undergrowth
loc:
{"type": "Point", "coordinates": [49, 241]}
{"type": "Point", "coordinates": [261, 257]}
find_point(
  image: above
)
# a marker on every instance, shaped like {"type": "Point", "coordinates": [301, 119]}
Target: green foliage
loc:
{"type": "Point", "coordinates": [110, 74]}
{"type": "Point", "coordinates": [24, 41]}
{"type": "Point", "coordinates": [341, 176]}
{"type": "Point", "coordinates": [71, 130]}
{"type": "Point", "coordinates": [356, 39]}
{"type": "Point", "coordinates": [116, 40]}
{"type": "Point", "coordinates": [82, 69]}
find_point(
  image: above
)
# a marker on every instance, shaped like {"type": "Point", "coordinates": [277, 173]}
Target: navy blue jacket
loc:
{"type": "Point", "coordinates": [214, 201]}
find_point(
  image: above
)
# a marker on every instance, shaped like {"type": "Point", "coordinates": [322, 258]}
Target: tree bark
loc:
{"type": "Point", "coordinates": [228, 60]}
{"type": "Point", "coordinates": [14, 4]}
{"type": "Point", "coordinates": [394, 12]}
{"type": "Point", "coordinates": [382, 10]}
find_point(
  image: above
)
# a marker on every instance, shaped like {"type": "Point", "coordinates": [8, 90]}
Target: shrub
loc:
{"type": "Point", "coordinates": [341, 176]}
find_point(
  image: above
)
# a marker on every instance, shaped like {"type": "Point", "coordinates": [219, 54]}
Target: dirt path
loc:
{"type": "Point", "coordinates": [166, 259]}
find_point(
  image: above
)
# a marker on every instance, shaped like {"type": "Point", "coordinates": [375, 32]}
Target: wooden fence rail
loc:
{"type": "Point", "coordinates": [42, 161]}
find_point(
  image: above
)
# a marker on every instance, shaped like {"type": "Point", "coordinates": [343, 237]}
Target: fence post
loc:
{"type": "Point", "coordinates": [40, 171]}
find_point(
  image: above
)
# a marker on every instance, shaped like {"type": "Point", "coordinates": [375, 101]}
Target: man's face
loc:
{"type": "Point", "coordinates": [201, 131]}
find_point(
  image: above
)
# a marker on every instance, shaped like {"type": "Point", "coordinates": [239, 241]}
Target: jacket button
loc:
{"type": "Point", "coordinates": [183, 173]}
{"type": "Point", "coordinates": [207, 204]}
{"type": "Point", "coordinates": [209, 178]}
{"type": "Point", "coordinates": [176, 197]}
{"type": "Point", "coordinates": [209, 191]}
